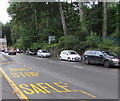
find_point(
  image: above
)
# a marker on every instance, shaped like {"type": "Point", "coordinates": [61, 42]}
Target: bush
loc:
{"type": "Point", "coordinates": [106, 44]}
{"type": "Point", "coordinates": [36, 45]}
{"type": "Point", "coordinates": [68, 42]}
{"type": "Point", "coordinates": [93, 40]}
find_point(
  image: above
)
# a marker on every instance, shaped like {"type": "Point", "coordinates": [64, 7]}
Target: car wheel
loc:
{"type": "Point", "coordinates": [41, 56]}
{"type": "Point", "coordinates": [37, 55]}
{"type": "Point", "coordinates": [106, 63]}
{"type": "Point", "coordinates": [60, 58]}
{"type": "Point", "coordinates": [69, 59]}
{"type": "Point", "coordinates": [87, 61]}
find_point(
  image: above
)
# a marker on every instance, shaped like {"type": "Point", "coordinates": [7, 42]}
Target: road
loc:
{"type": "Point", "coordinates": [44, 78]}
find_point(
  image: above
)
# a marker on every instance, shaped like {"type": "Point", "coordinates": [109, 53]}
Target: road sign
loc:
{"type": "Point", "coordinates": [51, 38]}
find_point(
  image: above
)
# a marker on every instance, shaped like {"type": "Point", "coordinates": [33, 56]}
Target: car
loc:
{"type": "Point", "coordinates": [2, 49]}
{"type": "Point", "coordinates": [43, 53]}
{"type": "Point", "coordinates": [6, 50]}
{"type": "Point", "coordinates": [31, 52]}
{"type": "Point", "coordinates": [19, 50]}
{"type": "Point", "coordinates": [70, 55]}
{"type": "Point", "coordinates": [106, 58]}
{"type": "Point", "coordinates": [12, 52]}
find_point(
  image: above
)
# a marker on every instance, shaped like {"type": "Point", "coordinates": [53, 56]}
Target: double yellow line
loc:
{"type": "Point", "coordinates": [14, 86]}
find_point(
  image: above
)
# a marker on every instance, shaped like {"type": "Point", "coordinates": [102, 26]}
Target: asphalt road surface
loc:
{"type": "Point", "coordinates": [48, 78]}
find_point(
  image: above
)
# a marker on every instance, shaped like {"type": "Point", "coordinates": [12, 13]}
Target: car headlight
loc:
{"type": "Point", "coordinates": [115, 60]}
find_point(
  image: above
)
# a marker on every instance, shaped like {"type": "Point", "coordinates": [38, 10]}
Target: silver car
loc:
{"type": "Point", "coordinates": [43, 53]}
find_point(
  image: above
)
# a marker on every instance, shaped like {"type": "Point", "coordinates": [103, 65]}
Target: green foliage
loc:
{"type": "Point", "coordinates": [7, 32]}
{"type": "Point", "coordinates": [36, 45]}
{"type": "Point", "coordinates": [93, 40]}
{"type": "Point", "coordinates": [106, 44]}
{"type": "Point", "coordinates": [32, 23]}
{"type": "Point", "coordinates": [67, 42]}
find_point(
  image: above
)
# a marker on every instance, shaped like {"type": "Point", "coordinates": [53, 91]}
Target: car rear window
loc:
{"type": "Point", "coordinates": [72, 53]}
{"type": "Point", "coordinates": [44, 51]}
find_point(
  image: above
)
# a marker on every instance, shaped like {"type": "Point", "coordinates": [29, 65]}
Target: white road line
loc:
{"type": "Point", "coordinates": [66, 62]}
{"type": "Point", "coordinates": [51, 61]}
{"type": "Point", "coordinates": [86, 69]}
{"type": "Point", "coordinates": [77, 67]}
{"type": "Point", "coordinates": [61, 62]}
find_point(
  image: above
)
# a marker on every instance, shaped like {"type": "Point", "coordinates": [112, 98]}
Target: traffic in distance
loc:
{"type": "Point", "coordinates": [106, 58]}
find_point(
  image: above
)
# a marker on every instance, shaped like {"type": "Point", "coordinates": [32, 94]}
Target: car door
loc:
{"type": "Point", "coordinates": [63, 55]}
{"type": "Point", "coordinates": [99, 57]}
{"type": "Point", "coordinates": [66, 55]}
{"type": "Point", "coordinates": [38, 53]}
{"type": "Point", "coordinates": [91, 56]}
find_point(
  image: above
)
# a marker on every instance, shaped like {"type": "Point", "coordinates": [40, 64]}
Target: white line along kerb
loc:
{"type": "Point", "coordinates": [77, 67]}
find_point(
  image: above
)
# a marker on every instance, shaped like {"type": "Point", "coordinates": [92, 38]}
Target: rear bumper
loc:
{"type": "Point", "coordinates": [12, 53]}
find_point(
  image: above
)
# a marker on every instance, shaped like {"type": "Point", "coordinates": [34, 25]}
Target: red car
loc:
{"type": "Point", "coordinates": [12, 52]}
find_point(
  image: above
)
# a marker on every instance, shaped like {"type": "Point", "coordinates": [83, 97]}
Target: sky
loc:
{"type": "Point", "coordinates": [4, 17]}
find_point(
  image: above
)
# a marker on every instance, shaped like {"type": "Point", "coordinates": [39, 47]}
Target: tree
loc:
{"type": "Point", "coordinates": [6, 31]}
{"type": "Point", "coordinates": [118, 19]}
{"type": "Point", "coordinates": [82, 17]}
{"type": "Point", "coordinates": [62, 18]}
{"type": "Point", "coordinates": [104, 19]}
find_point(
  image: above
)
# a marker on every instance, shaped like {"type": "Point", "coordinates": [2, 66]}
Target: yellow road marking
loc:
{"type": "Point", "coordinates": [24, 65]}
{"type": "Point", "coordinates": [21, 94]}
{"type": "Point", "coordinates": [18, 69]}
{"type": "Point", "coordinates": [87, 93]}
{"type": "Point", "coordinates": [29, 67]}
{"type": "Point", "coordinates": [44, 88]}
{"type": "Point", "coordinates": [24, 74]}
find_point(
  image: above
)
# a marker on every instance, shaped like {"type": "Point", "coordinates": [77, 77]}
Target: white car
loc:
{"type": "Point", "coordinates": [43, 53]}
{"type": "Point", "coordinates": [70, 55]}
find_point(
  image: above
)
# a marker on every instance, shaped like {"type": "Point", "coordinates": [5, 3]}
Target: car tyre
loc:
{"type": "Point", "coordinates": [69, 59]}
{"type": "Point", "coordinates": [106, 63]}
{"type": "Point", "coordinates": [41, 56]}
{"type": "Point", "coordinates": [87, 61]}
{"type": "Point", "coordinates": [38, 56]}
{"type": "Point", "coordinates": [60, 58]}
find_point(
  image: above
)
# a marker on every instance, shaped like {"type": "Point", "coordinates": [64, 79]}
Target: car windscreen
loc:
{"type": "Point", "coordinates": [72, 53]}
{"type": "Point", "coordinates": [44, 51]}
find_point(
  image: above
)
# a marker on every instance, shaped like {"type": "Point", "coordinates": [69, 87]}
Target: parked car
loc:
{"type": "Point", "coordinates": [43, 53]}
{"type": "Point", "coordinates": [3, 49]}
{"type": "Point", "coordinates": [31, 51]}
{"type": "Point", "coordinates": [70, 55]}
{"type": "Point", "coordinates": [12, 52]}
{"type": "Point", "coordinates": [19, 50]}
{"type": "Point", "coordinates": [6, 50]}
{"type": "Point", "coordinates": [106, 58]}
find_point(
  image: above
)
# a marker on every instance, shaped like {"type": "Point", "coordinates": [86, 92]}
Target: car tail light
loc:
{"type": "Point", "coordinates": [82, 54]}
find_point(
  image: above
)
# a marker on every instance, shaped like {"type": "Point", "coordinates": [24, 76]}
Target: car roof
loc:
{"type": "Point", "coordinates": [98, 50]}
{"type": "Point", "coordinates": [68, 50]}
{"type": "Point", "coordinates": [43, 49]}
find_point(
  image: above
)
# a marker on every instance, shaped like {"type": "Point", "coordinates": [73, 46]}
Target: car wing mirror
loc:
{"type": "Point", "coordinates": [101, 55]}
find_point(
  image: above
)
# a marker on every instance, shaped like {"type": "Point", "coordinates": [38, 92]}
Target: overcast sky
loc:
{"type": "Point", "coordinates": [3, 11]}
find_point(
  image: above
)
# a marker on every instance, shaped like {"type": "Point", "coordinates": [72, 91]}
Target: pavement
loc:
{"type": "Point", "coordinates": [42, 78]}
{"type": "Point", "coordinates": [6, 92]}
